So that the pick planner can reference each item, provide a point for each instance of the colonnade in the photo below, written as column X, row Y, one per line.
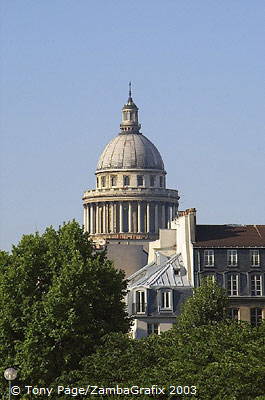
column 128, row 216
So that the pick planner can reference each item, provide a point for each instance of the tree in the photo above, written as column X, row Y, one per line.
column 207, row 306
column 58, row 298
column 223, row 359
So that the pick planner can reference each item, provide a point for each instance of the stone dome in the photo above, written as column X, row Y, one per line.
column 130, row 151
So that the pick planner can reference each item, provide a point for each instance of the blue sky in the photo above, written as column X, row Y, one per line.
column 197, row 69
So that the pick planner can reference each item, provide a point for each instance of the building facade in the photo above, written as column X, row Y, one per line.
column 185, row 254
column 234, row 255
column 131, row 202
column 156, row 293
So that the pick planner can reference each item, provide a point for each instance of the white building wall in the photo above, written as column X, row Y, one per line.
column 185, row 225
column 166, row 242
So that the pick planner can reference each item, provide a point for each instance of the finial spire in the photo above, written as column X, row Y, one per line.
column 130, row 90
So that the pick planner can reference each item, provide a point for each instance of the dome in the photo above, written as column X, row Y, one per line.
column 130, row 151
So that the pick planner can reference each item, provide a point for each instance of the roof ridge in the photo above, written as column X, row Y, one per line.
column 163, row 268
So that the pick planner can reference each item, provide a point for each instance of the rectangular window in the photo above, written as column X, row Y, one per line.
column 254, row 257
column 232, row 257
column 152, row 328
column 152, row 180
column 126, row 180
column 140, row 180
column 166, row 300
column 140, row 301
column 232, row 285
column 255, row 316
column 256, row 285
column 209, row 258
column 161, row 181
column 103, row 181
column 113, row 180
column 233, row 313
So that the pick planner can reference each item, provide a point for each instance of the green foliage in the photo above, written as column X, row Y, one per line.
column 225, row 361
column 206, row 306
column 58, row 298
column 63, row 322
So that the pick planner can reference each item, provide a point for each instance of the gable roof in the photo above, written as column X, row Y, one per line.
column 230, row 236
column 170, row 273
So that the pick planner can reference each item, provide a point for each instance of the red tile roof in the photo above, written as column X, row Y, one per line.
column 230, row 236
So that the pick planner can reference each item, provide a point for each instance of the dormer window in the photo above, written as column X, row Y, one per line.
column 140, row 301
column 166, row 300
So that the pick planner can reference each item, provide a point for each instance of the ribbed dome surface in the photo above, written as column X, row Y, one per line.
column 128, row 151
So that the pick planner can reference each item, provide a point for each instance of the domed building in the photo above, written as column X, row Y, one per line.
column 130, row 203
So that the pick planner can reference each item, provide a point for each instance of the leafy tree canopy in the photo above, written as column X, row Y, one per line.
column 206, row 306
column 224, row 359
column 58, row 298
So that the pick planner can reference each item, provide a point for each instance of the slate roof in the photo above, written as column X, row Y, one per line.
column 230, row 236
column 129, row 151
column 170, row 273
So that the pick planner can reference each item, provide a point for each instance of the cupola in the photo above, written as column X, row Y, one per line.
column 130, row 122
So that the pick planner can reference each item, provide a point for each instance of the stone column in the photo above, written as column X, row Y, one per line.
column 102, row 218
column 121, row 217
column 148, row 217
column 84, row 218
column 163, row 216
column 112, row 218
column 156, row 217
column 139, row 217
column 130, row 217
column 91, row 218
column 174, row 210
column 115, row 217
column 88, row 217
column 170, row 214
column 97, row 218
column 105, row 222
